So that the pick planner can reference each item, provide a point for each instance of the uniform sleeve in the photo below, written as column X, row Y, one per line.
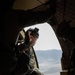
column 23, row 64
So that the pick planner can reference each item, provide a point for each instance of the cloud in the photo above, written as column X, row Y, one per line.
column 49, row 61
column 50, row 68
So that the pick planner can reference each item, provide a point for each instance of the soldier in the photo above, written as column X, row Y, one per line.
column 25, row 58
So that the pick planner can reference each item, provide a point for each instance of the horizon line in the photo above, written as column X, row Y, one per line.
column 48, row 50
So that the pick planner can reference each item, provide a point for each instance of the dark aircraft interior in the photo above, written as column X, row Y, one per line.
column 15, row 15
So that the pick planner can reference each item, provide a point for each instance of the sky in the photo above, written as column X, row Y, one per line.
column 47, row 39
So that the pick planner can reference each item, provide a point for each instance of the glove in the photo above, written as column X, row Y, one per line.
column 36, row 72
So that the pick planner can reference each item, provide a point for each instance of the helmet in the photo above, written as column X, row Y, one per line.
column 34, row 32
